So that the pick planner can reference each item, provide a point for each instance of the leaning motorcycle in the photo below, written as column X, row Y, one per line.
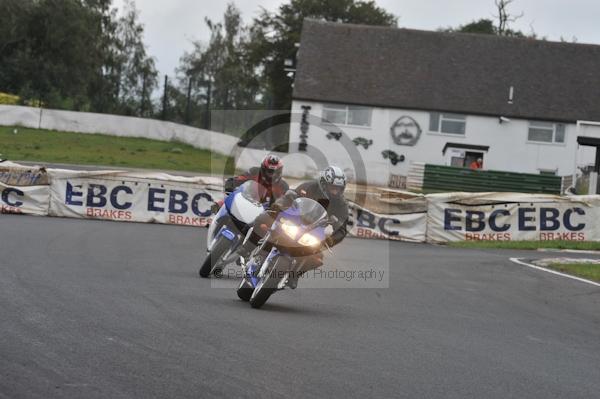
column 296, row 237
column 230, row 226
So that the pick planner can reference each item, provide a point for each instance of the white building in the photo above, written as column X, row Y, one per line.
column 404, row 96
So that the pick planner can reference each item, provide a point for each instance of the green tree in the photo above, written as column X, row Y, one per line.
column 485, row 26
column 274, row 37
column 64, row 58
column 103, row 90
column 135, row 71
column 224, row 63
column 74, row 54
column 15, row 17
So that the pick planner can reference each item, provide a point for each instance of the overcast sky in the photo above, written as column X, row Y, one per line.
column 170, row 26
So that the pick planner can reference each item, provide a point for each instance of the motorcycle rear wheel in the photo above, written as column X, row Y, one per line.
column 214, row 256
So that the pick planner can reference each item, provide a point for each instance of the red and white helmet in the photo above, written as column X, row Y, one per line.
column 271, row 169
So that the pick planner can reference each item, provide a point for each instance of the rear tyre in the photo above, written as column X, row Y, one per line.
column 214, row 256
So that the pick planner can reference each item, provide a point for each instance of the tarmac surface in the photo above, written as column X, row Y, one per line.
column 116, row 310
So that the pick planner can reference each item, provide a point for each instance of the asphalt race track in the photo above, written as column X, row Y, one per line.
column 116, row 310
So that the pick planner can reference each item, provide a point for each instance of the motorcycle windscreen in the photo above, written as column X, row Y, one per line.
column 253, row 192
column 247, row 206
column 310, row 211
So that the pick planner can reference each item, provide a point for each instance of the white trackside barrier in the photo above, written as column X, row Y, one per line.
column 30, row 200
column 161, row 198
column 133, row 197
column 512, row 217
column 23, row 190
column 115, row 125
column 398, row 227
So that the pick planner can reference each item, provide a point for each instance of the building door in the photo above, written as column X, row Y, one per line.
column 591, row 172
column 471, row 157
column 462, row 155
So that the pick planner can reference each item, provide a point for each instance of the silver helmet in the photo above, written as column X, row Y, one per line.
column 332, row 182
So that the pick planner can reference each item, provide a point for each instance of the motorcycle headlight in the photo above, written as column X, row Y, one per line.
column 309, row 240
column 290, row 229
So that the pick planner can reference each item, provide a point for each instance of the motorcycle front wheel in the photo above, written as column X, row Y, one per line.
column 268, row 284
column 245, row 290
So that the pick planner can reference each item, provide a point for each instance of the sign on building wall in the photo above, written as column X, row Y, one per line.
column 406, row 131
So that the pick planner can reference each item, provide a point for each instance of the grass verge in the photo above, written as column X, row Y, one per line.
column 529, row 245
column 588, row 271
column 97, row 149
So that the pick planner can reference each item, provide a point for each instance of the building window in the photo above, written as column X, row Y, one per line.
column 447, row 123
column 352, row 115
column 547, row 132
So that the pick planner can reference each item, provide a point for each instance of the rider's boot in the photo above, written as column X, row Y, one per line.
column 248, row 245
column 292, row 280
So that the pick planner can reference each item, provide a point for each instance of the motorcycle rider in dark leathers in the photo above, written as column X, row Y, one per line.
column 327, row 190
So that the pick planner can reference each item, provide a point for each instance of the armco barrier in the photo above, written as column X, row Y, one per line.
column 161, row 198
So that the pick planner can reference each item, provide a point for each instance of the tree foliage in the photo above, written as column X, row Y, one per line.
column 223, row 62
column 74, row 54
column 86, row 55
column 274, row 37
column 246, row 63
column 218, row 71
column 499, row 27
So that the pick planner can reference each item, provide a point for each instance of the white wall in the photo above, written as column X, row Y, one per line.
column 509, row 147
column 114, row 125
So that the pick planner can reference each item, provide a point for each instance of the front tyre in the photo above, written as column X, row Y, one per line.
column 268, row 285
column 260, row 297
column 245, row 290
column 214, row 256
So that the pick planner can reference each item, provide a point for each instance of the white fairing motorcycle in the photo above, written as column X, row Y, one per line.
column 231, row 225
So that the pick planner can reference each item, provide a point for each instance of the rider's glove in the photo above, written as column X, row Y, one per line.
column 329, row 230
column 275, row 208
column 284, row 202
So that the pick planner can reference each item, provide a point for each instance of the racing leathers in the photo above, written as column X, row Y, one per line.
column 274, row 190
column 337, row 210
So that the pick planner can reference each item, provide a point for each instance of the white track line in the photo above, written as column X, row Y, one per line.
column 569, row 251
column 544, row 269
